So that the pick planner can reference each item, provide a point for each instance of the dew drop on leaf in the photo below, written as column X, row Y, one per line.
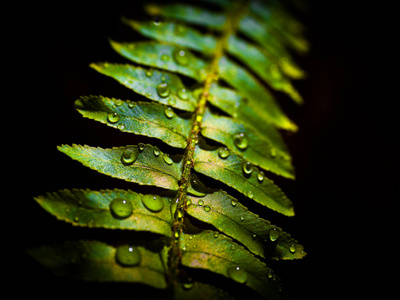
column 113, row 117
column 164, row 57
column 250, row 194
column 169, row 112
column 121, row 208
column 181, row 57
column 207, row 208
column 127, row 255
column 240, row 141
column 274, row 234
column 260, row 176
column 247, row 167
column 200, row 202
column 234, row 203
column 183, row 94
column 153, row 203
column 156, row 151
column 167, row 159
column 292, row 248
column 121, row 126
column 129, row 156
column 216, row 234
column 163, row 90
column 238, row 274
column 141, row 147
column 187, row 285
column 149, row 73
column 156, row 21
column 223, row 152
column 273, row 152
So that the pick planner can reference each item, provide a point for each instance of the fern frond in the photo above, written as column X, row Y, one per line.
column 204, row 82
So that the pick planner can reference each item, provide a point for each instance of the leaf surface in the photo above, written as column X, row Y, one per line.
column 94, row 209
column 236, row 221
column 162, row 56
column 259, row 97
column 142, row 118
column 231, row 172
column 223, row 256
column 146, row 81
column 260, row 150
column 93, row 260
column 147, row 169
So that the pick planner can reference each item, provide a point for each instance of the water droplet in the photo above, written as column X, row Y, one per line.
column 149, row 72
column 167, row 159
column 234, row 203
column 129, row 156
column 181, row 57
column 187, row 285
column 153, row 203
column 76, row 219
column 270, row 274
column 216, row 234
column 260, row 176
column 148, row 94
column 118, row 102
column 141, row 147
column 233, row 247
column 156, row 151
column 274, row 234
column 127, row 255
column 250, row 194
column 164, row 57
column 240, row 141
column 292, row 248
column 169, row 112
column 238, row 274
column 163, row 90
column 223, row 152
column 131, row 104
column 113, row 117
column 180, row 29
column 121, row 208
column 247, row 167
column 273, row 152
column 183, row 94
column 200, row 202
column 241, row 219
column 207, row 208
column 121, row 126
column 156, row 21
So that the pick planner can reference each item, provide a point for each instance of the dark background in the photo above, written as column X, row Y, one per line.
column 345, row 154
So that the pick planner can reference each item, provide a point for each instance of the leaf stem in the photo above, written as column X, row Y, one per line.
column 234, row 14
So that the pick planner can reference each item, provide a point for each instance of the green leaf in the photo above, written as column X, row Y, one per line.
column 258, row 61
column 259, row 97
column 149, row 119
column 163, row 57
column 189, row 14
column 260, row 150
column 175, row 33
column 219, row 254
column 93, row 260
column 230, row 170
column 146, row 83
column 147, row 168
column 235, row 220
column 112, row 209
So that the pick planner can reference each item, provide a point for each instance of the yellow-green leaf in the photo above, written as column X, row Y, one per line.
column 149, row 119
column 237, row 173
column 228, row 215
column 142, row 164
column 93, row 260
column 112, row 209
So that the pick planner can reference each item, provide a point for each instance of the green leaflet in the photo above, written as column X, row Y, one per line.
column 164, row 57
column 149, row 119
column 189, row 14
column 100, row 209
column 230, row 170
column 218, row 253
column 259, row 98
column 149, row 165
column 93, row 260
column 146, row 82
column 260, row 150
column 235, row 220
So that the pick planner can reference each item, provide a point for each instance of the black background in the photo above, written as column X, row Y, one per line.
column 345, row 154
